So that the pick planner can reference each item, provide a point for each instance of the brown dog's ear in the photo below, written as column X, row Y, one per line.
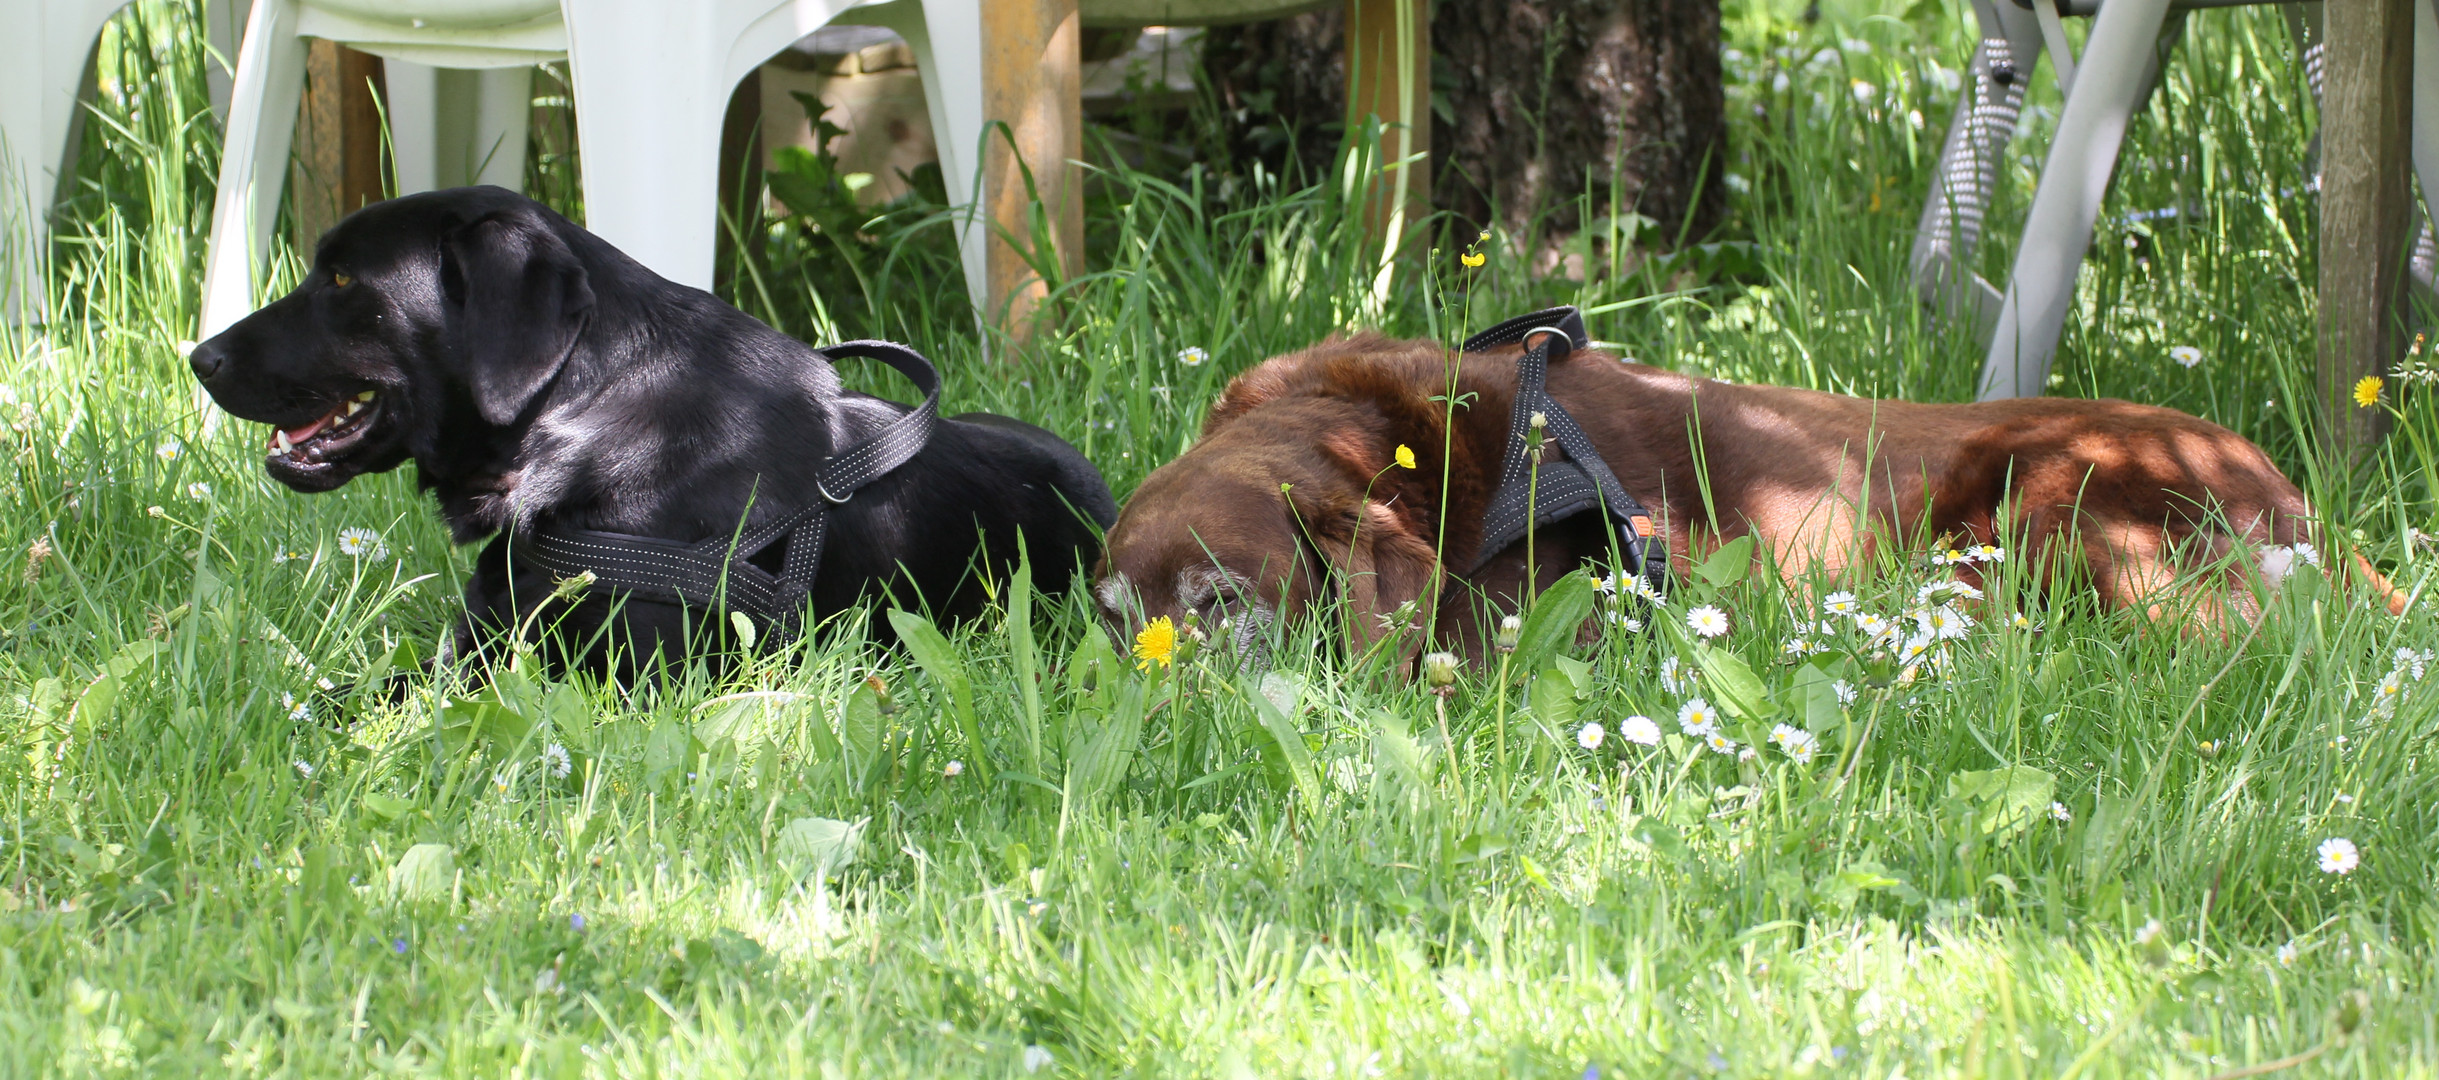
column 1383, row 565
column 522, row 298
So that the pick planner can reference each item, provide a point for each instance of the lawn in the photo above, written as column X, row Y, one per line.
column 2068, row 845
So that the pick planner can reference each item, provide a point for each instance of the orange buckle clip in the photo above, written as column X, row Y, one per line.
column 1642, row 525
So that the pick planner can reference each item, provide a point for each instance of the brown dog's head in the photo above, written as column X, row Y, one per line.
column 1266, row 518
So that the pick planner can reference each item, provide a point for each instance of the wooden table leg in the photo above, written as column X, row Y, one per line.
column 2365, row 207
column 1388, row 47
column 1033, row 82
column 338, row 140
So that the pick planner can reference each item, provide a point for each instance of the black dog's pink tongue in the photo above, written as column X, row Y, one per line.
column 300, row 433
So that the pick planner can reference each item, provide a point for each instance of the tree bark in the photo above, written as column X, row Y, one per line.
column 1536, row 103
column 1551, row 100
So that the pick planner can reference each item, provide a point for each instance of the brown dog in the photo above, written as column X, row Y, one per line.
column 1294, row 485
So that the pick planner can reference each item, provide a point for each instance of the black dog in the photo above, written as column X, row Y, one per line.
column 539, row 378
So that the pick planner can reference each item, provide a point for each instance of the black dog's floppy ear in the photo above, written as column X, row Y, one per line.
column 522, row 298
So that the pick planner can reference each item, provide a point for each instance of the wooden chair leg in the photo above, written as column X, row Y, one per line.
column 1032, row 82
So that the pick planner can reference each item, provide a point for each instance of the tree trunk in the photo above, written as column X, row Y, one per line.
column 1536, row 103
column 1550, row 100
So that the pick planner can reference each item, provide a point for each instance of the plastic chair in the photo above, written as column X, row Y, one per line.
column 651, row 80
column 45, row 46
column 2104, row 88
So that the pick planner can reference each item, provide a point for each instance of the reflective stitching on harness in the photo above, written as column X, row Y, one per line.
column 1578, row 480
column 656, row 568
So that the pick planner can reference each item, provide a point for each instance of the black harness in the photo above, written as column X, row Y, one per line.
column 714, row 572
column 1567, row 485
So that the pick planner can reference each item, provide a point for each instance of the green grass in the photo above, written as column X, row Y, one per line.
column 1154, row 872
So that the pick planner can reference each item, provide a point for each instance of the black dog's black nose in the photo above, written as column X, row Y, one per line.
column 206, row 360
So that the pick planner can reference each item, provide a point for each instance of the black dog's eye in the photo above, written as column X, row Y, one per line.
column 342, row 280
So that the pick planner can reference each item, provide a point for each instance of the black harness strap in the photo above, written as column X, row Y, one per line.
column 1565, row 486
column 713, row 572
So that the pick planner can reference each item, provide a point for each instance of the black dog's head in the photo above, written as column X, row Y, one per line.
column 452, row 309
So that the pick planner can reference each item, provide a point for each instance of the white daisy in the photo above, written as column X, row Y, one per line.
column 1942, row 622
column 1879, row 631
column 169, row 451
column 1675, row 677
column 2338, row 856
column 1707, row 621
column 556, row 761
column 363, row 544
column 305, row 769
column 199, row 491
column 953, row 768
column 2186, row 356
column 2413, row 663
column 1799, row 647
column 1719, row 743
column 1639, row 730
column 1800, row 746
column 1644, row 589
column 1845, row 690
column 2305, row 551
column 1914, row 648
column 1192, row 356
column 1945, row 592
column 1590, row 735
column 297, row 710
column 2287, row 954
column 1695, row 718
column 1989, row 553
column 1839, row 603
column 1625, row 622
column 2060, row 814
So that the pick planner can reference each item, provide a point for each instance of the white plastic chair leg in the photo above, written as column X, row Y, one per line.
column 413, row 110
column 502, row 125
column 43, row 48
column 2113, row 77
column 253, row 161
column 946, row 37
column 651, row 145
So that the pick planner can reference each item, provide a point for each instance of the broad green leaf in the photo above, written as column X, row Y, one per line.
column 388, row 807
column 670, row 747
column 1813, row 694
column 99, row 701
column 470, row 721
column 1732, row 685
column 861, row 725
column 820, row 845
column 1728, row 565
column 425, row 872
column 1102, row 755
column 1024, row 657
column 933, row 654
column 1286, row 744
column 2007, row 800
column 1551, row 625
column 1553, row 699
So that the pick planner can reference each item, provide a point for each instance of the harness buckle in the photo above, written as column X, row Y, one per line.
column 825, row 493
column 1526, row 339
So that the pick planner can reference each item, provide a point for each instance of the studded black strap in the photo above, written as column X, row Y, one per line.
column 1560, row 487
column 713, row 572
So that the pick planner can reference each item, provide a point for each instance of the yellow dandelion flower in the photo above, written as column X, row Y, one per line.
column 1156, row 642
column 1473, row 258
column 1405, row 456
column 2367, row 392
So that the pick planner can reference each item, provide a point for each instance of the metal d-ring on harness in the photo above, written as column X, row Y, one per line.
column 714, row 571
column 1567, row 485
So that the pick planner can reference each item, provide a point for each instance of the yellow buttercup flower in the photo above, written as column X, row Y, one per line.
column 1156, row 642
column 2367, row 392
column 1405, row 456
column 1473, row 258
